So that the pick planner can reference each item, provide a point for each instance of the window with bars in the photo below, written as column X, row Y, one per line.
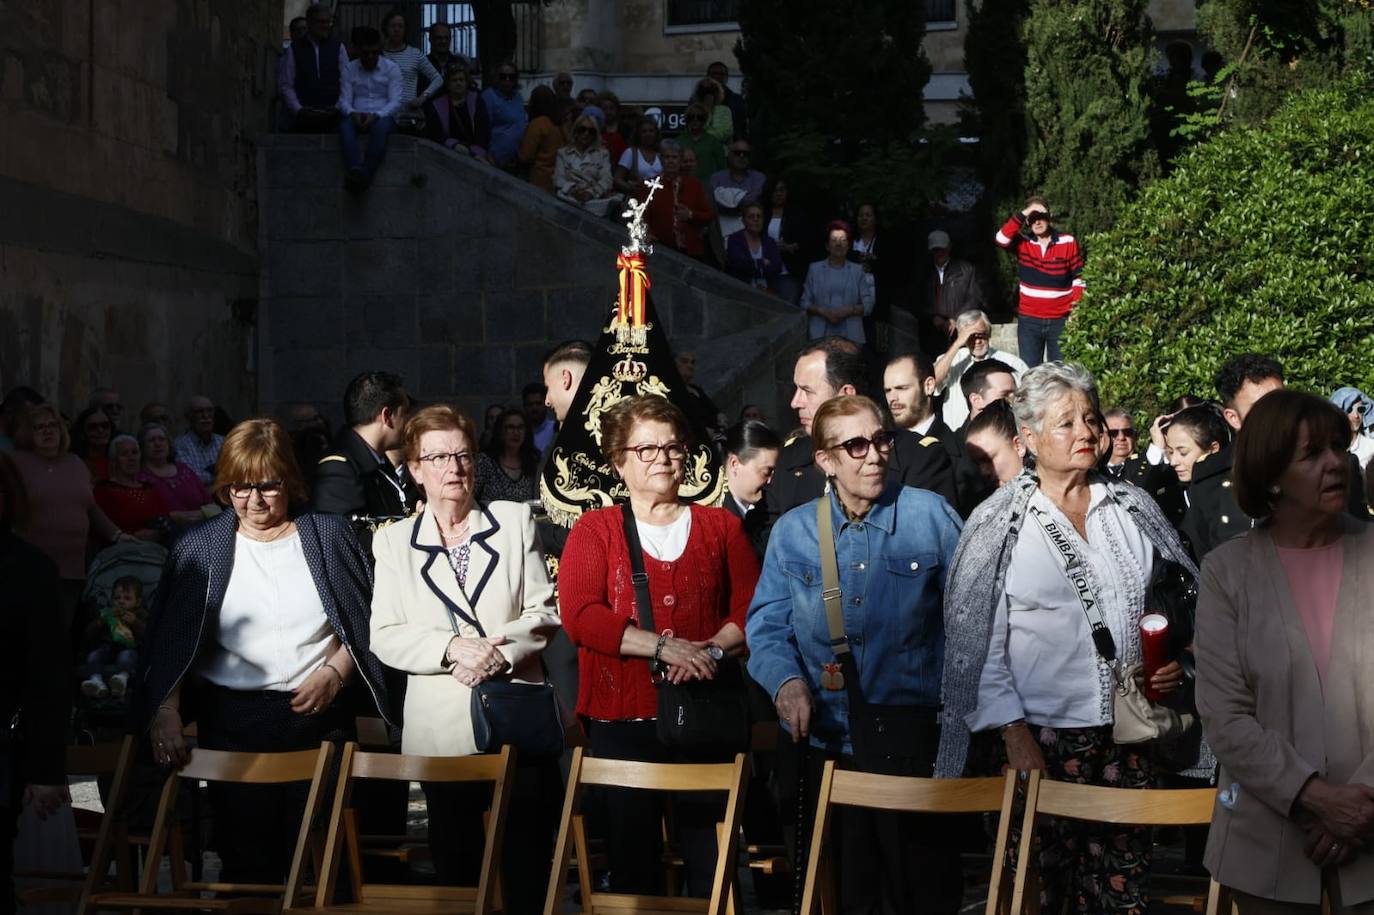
column 941, row 11
column 701, row 12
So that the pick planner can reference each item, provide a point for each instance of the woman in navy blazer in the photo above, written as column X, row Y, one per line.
column 259, row 625
column 751, row 255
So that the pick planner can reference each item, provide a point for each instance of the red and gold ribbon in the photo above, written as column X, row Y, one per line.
column 634, row 284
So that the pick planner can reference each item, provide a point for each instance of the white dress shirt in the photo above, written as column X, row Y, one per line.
column 1042, row 665
column 956, row 407
column 272, row 629
column 371, row 91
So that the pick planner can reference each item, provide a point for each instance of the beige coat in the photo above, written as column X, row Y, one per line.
column 1264, row 713
column 507, row 587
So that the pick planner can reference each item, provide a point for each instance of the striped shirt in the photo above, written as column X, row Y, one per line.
column 1050, row 273
column 414, row 64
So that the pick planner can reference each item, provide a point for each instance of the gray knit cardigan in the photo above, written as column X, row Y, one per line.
column 974, row 587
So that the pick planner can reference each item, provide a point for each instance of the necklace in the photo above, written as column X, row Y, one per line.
column 272, row 536
column 460, row 532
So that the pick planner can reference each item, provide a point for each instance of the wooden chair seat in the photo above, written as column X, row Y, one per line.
column 190, row 903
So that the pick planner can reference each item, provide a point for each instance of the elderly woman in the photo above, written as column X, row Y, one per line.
column 892, row 547
column 1284, row 635
column 838, row 293
column 751, row 255
column 1029, row 660
column 458, row 118
column 582, row 174
column 133, row 504
column 462, row 597
column 680, row 211
column 186, row 499
column 701, row 572
column 63, row 513
column 258, row 628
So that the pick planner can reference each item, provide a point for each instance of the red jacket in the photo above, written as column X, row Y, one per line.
column 685, row 235
column 710, row 584
column 1051, row 278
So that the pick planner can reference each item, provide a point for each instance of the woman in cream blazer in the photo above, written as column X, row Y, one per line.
column 1285, row 671
column 454, row 562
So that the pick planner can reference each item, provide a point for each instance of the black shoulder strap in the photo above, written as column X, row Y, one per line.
column 638, row 577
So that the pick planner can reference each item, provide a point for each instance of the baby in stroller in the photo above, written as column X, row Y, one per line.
column 112, row 640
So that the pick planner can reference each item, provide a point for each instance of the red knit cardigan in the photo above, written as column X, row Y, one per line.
column 710, row 584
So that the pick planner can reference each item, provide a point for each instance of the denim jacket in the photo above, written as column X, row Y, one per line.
column 892, row 567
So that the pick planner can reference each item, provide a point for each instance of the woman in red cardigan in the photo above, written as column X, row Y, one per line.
column 702, row 573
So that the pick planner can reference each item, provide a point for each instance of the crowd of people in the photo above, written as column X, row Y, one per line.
column 992, row 563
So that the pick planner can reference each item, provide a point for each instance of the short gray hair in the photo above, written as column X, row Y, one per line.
column 669, row 146
column 119, row 440
column 970, row 318
column 1043, row 385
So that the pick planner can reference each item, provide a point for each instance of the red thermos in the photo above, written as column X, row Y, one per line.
column 1154, row 649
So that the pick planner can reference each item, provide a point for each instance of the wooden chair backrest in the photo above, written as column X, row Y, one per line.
column 252, row 768
column 619, row 773
column 343, row 837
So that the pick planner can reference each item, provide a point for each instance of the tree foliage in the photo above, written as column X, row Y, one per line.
column 1259, row 241
column 1089, row 67
column 835, row 95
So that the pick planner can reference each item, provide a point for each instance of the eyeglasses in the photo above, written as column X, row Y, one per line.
column 1038, row 216
column 740, row 152
column 858, row 446
column 47, row 427
column 268, row 489
column 647, row 454
column 585, row 130
column 1121, row 433
column 441, row 460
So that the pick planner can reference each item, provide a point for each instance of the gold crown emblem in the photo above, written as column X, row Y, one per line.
column 629, row 369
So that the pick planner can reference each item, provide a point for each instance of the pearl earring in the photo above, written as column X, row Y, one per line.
column 1274, row 490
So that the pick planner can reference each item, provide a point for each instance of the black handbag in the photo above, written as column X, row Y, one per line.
column 886, row 739
column 526, row 716
column 697, row 714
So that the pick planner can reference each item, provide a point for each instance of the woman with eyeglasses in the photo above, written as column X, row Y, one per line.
column 259, row 634
column 463, row 597
column 892, row 546
column 1043, row 607
column 582, row 174
column 701, row 570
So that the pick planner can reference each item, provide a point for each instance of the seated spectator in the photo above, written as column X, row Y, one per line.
column 733, row 188
column 91, row 433
column 838, row 293
column 971, row 346
column 441, row 55
column 506, row 109
column 611, row 137
column 128, row 501
column 369, row 99
column 994, row 445
column 720, row 122
column 458, row 119
column 543, row 138
column 111, row 404
column 155, row 412
column 198, row 447
column 794, row 233
column 311, row 74
column 413, row 64
column 750, row 255
column 16, row 401
column 185, row 498
column 507, row 469
column 707, row 147
column 640, row 162
column 582, row 173
column 679, row 212
column 112, row 639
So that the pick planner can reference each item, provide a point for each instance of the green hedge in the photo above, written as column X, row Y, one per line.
column 1261, row 240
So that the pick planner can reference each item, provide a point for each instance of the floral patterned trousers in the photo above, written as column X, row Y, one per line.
column 1090, row 867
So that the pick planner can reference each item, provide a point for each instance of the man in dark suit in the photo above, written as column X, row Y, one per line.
column 827, row 368
column 909, row 389
column 1124, row 462
column 356, row 478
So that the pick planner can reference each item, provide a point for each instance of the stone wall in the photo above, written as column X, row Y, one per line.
column 461, row 277
column 127, row 174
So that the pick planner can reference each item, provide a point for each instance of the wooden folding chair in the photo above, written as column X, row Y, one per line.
column 239, row 768
column 114, row 760
column 343, row 838
column 1121, row 806
column 728, row 778
column 905, row 795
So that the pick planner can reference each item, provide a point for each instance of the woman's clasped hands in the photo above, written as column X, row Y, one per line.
column 473, row 661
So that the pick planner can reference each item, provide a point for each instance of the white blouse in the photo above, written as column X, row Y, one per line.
column 1041, row 664
column 272, row 629
column 666, row 542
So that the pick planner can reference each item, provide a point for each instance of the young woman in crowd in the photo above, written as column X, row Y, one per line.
column 582, row 174
column 463, row 597
column 458, row 119
column 994, row 444
column 507, row 467
column 751, row 255
column 1191, row 436
column 90, row 438
column 791, row 229
column 640, row 162
column 415, row 66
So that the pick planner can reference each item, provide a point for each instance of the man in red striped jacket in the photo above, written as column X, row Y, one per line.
column 1049, row 265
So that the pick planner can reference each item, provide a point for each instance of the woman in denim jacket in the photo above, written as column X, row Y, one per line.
column 893, row 545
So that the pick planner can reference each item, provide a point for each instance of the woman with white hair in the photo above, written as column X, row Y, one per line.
column 1042, row 613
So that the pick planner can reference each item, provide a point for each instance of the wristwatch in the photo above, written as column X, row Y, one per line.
column 715, row 651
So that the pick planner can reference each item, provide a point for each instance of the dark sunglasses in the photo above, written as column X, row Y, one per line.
column 1037, row 216
column 858, row 446
column 590, row 130
column 1121, row 433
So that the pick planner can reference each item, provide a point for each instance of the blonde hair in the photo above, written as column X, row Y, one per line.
column 588, row 120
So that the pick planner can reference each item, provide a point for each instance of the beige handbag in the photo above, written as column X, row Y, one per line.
column 1135, row 718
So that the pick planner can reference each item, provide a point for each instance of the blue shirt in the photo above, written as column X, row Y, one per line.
column 508, row 121
column 892, row 567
